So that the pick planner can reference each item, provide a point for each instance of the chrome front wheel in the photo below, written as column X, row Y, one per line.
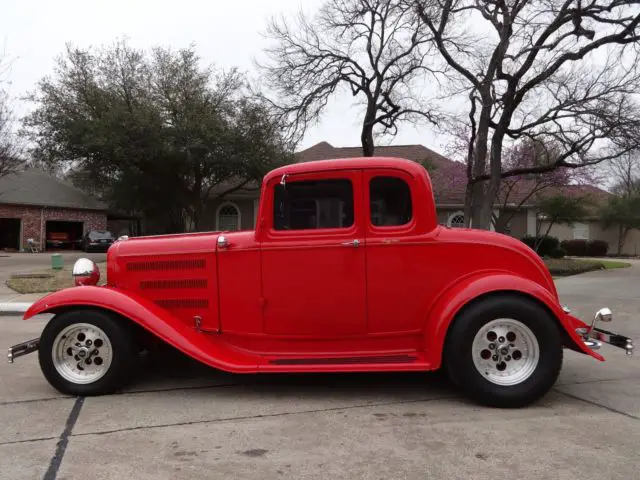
column 87, row 352
column 82, row 353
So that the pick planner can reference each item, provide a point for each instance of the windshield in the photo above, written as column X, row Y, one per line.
column 100, row 235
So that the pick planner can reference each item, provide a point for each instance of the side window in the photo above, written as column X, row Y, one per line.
column 313, row 204
column 390, row 201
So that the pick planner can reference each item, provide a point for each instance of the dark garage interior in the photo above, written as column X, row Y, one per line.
column 63, row 235
column 9, row 233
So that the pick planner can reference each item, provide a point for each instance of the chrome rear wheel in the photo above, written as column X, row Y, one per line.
column 505, row 351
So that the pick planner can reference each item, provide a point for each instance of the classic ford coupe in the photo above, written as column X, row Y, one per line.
column 347, row 270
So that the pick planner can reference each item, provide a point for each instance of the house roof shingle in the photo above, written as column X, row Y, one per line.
column 35, row 187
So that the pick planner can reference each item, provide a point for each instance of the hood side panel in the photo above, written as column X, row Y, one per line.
column 175, row 273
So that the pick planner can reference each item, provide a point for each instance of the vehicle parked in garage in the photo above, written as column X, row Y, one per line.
column 347, row 270
column 58, row 240
column 97, row 241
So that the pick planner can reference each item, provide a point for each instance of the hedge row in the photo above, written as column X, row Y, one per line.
column 552, row 247
column 548, row 246
column 586, row 248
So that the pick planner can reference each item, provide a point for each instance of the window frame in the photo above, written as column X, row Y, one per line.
column 454, row 215
column 386, row 230
column 353, row 231
column 228, row 204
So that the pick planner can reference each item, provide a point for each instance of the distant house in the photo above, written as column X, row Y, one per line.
column 35, row 205
column 239, row 209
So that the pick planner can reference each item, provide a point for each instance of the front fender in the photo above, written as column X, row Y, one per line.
column 156, row 320
column 455, row 298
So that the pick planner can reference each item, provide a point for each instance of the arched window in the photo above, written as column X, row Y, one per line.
column 456, row 220
column 228, row 217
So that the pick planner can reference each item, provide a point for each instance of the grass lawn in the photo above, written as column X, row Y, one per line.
column 562, row 267
column 609, row 264
column 58, row 280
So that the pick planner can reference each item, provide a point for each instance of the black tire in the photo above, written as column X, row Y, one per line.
column 459, row 363
column 123, row 352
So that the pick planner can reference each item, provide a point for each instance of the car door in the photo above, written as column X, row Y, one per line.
column 396, row 274
column 313, row 259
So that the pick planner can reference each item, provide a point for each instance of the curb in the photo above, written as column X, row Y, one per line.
column 14, row 308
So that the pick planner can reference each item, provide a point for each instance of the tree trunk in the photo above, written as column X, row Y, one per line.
column 480, row 217
column 622, row 235
column 366, row 138
column 491, row 192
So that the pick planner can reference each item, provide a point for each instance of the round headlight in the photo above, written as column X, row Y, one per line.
column 85, row 272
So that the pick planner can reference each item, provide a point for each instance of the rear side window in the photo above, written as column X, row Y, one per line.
column 390, row 202
column 313, row 204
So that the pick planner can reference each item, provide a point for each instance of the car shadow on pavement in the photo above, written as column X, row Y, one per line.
column 171, row 370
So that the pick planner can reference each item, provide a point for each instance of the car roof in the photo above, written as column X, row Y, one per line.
column 360, row 163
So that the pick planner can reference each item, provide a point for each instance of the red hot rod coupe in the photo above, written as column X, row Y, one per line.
column 347, row 270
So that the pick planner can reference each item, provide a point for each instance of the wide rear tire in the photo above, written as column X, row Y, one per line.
column 87, row 352
column 504, row 351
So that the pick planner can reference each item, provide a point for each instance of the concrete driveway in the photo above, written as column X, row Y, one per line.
column 183, row 421
column 24, row 262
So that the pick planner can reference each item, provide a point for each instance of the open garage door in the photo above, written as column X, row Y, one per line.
column 9, row 233
column 63, row 235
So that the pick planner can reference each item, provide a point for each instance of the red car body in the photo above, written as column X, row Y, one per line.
column 366, row 297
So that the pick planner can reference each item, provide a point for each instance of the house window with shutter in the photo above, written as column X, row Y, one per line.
column 581, row 231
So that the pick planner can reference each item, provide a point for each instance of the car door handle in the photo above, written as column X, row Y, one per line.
column 352, row 243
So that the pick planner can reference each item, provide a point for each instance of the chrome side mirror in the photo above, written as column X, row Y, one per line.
column 604, row 315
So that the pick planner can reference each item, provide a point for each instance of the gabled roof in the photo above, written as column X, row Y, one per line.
column 35, row 187
column 447, row 177
column 417, row 153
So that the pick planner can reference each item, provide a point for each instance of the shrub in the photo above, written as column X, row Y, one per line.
column 558, row 253
column 577, row 248
column 547, row 247
column 597, row 248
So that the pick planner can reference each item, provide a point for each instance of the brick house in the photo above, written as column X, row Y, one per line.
column 238, row 210
column 34, row 204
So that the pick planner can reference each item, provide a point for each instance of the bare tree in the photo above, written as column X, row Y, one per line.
column 622, row 210
column 519, row 190
column 10, row 153
column 625, row 173
column 378, row 50
column 551, row 70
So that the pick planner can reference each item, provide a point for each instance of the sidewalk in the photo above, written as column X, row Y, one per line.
column 14, row 303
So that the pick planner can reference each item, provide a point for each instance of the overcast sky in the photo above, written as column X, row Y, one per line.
column 225, row 33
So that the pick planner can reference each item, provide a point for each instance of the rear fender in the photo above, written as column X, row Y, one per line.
column 471, row 288
column 152, row 318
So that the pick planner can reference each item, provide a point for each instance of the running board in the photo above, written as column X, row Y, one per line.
column 385, row 359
